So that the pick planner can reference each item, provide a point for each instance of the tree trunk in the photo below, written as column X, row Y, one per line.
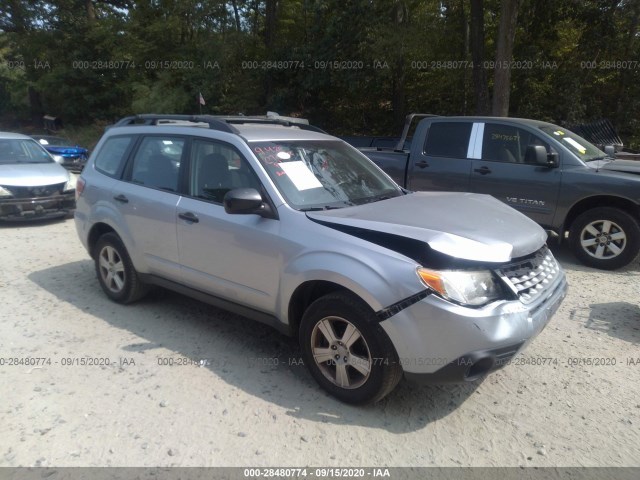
column 398, row 84
column 91, row 12
column 271, row 20
column 35, row 106
column 271, row 10
column 480, row 88
column 236, row 13
column 625, row 74
column 504, row 54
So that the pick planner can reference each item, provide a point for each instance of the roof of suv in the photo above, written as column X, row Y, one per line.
column 252, row 129
column 255, row 133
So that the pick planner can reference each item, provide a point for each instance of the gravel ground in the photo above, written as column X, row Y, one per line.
column 251, row 403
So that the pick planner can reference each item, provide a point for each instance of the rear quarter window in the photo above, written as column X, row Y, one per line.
column 111, row 157
column 448, row 139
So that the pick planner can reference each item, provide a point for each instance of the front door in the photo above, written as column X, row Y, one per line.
column 503, row 169
column 236, row 257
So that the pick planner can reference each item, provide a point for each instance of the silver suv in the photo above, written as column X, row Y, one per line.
column 286, row 225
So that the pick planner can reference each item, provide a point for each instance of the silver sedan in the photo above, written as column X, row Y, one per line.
column 32, row 184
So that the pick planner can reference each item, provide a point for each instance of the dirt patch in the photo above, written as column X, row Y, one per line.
column 171, row 381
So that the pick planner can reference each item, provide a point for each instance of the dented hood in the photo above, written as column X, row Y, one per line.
column 462, row 225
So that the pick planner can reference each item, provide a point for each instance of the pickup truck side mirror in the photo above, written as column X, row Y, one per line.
column 538, row 154
column 610, row 150
column 245, row 201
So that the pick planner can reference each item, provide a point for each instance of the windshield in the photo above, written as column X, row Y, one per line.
column 323, row 174
column 18, row 150
column 584, row 150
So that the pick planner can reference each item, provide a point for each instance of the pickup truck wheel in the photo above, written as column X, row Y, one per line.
column 605, row 238
column 116, row 274
column 347, row 351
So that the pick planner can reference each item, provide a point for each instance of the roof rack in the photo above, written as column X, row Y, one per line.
column 223, row 123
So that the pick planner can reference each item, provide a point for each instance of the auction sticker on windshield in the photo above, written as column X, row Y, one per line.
column 300, row 175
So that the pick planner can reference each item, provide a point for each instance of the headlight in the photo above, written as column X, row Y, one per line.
column 468, row 287
column 71, row 184
column 4, row 193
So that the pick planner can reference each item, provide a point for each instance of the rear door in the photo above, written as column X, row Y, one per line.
column 148, row 198
column 502, row 168
column 442, row 163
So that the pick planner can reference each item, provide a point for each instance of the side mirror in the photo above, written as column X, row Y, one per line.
column 538, row 154
column 244, row 201
column 58, row 159
column 552, row 160
column 610, row 150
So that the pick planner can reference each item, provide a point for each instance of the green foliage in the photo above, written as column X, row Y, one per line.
column 352, row 66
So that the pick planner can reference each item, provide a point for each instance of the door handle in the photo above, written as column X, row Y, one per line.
column 189, row 217
column 482, row 170
column 422, row 164
column 121, row 198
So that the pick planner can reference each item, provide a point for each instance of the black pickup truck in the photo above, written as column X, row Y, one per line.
column 574, row 190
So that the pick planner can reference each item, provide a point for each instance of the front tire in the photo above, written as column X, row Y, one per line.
column 347, row 351
column 605, row 238
column 116, row 274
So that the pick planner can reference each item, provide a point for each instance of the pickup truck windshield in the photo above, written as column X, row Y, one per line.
column 323, row 174
column 584, row 150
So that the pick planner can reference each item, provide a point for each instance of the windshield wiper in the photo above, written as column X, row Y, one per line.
column 319, row 209
column 603, row 157
column 377, row 198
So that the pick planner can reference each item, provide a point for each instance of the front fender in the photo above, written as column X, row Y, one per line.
column 380, row 281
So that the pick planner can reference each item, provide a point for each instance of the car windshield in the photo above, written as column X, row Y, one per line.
column 17, row 150
column 53, row 141
column 583, row 149
column 323, row 174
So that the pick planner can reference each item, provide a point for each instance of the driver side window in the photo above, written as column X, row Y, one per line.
column 508, row 144
column 217, row 168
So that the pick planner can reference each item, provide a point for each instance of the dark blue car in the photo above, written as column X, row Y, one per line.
column 71, row 157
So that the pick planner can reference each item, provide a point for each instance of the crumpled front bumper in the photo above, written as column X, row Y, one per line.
column 439, row 342
column 38, row 207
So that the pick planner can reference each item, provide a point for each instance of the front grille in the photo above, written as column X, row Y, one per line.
column 530, row 277
column 36, row 192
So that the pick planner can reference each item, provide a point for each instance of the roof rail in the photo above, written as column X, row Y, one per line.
column 224, row 123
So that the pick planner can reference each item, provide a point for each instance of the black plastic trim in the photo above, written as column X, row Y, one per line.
column 458, row 370
column 218, row 302
column 397, row 307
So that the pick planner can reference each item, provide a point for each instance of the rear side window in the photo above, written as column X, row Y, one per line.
column 448, row 139
column 111, row 156
column 157, row 162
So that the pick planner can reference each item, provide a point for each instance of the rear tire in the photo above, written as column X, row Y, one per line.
column 117, row 276
column 347, row 351
column 605, row 238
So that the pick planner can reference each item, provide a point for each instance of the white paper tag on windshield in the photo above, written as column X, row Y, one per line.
column 575, row 145
column 300, row 175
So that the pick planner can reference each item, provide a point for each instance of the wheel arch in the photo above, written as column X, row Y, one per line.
column 596, row 201
column 97, row 231
column 307, row 293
